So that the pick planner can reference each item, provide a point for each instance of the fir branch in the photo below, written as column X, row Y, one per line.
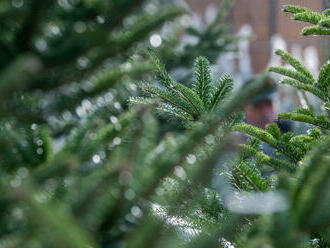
column 295, row 63
column 324, row 76
column 325, row 22
column 162, row 74
column 274, row 130
column 312, row 162
column 251, row 176
column 283, row 145
column 262, row 158
column 167, row 81
column 191, row 97
column 295, row 9
column 308, row 16
column 140, row 100
column 326, row 12
column 312, row 89
column 316, row 121
column 311, row 194
column 315, row 30
column 305, row 111
column 292, row 74
column 203, row 82
column 177, row 112
column 257, row 133
column 223, row 89
column 165, row 162
column 169, row 97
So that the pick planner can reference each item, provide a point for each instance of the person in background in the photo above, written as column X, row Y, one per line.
column 262, row 111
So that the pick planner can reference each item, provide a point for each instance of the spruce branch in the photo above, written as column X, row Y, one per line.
column 203, row 81
column 325, row 22
column 243, row 171
column 191, row 97
column 310, row 195
column 165, row 162
column 312, row 89
column 294, row 148
column 257, row 133
column 315, row 31
column 162, row 74
column 177, row 112
column 224, row 88
column 320, row 20
column 98, row 84
column 292, row 74
column 295, row 9
column 167, row 81
column 305, row 111
column 182, row 101
column 324, row 76
column 140, row 100
column 308, row 16
column 295, row 63
column 261, row 158
column 170, row 97
column 274, row 130
column 319, row 121
column 326, row 12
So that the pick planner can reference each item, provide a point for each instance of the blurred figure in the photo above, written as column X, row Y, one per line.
column 262, row 111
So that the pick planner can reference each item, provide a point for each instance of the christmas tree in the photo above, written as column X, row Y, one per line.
column 84, row 165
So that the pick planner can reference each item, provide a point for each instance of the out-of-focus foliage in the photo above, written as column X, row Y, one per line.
column 82, row 168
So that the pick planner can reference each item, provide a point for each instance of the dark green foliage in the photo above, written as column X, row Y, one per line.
column 306, row 157
column 115, row 181
column 319, row 121
column 188, row 104
column 247, row 177
column 302, row 78
column 203, row 82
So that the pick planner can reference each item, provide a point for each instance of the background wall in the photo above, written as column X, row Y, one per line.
column 267, row 19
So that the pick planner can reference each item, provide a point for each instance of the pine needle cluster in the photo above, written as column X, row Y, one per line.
column 320, row 21
column 178, row 100
column 81, row 169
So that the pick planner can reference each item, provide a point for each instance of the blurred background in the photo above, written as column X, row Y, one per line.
column 269, row 28
column 263, row 28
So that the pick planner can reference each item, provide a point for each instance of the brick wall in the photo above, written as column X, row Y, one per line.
column 266, row 18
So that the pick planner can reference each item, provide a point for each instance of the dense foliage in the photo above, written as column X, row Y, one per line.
column 84, row 165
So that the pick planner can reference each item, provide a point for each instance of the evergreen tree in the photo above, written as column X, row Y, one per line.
column 61, row 69
column 114, row 182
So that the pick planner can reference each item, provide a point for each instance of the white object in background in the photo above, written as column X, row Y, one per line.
column 296, row 51
column 225, row 64
column 210, row 13
column 277, row 42
column 245, row 68
column 256, row 203
column 311, row 60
